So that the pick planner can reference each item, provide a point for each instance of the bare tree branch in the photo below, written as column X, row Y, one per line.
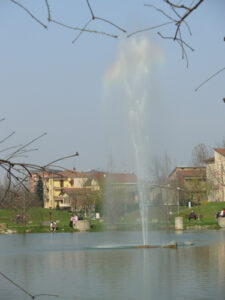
column 6, row 138
column 17, row 173
column 62, row 158
column 149, row 28
column 178, row 39
column 9, row 148
column 177, row 5
column 111, row 23
column 25, row 291
column 21, row 148
column 189, row 10
column 48, row 10
column 89, row 6
column 29, row 13
column 84, row 30
column 179, row 16
column 102, row 19
column 161, row 11
column 205, row 81
column 79, row 34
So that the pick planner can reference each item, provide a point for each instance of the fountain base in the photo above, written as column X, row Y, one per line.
column 146, row 246
column 172, row 245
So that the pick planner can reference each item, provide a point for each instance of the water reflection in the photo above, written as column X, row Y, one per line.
column 70, row 266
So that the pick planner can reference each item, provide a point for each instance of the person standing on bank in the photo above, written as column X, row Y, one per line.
column 75, row 218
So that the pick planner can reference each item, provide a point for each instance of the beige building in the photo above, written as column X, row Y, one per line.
column 215, row 173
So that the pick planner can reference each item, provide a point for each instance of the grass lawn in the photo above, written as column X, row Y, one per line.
column 38, row 220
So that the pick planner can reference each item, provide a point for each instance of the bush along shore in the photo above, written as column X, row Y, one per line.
column 37, row 220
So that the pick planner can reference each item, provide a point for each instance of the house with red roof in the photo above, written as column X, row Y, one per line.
column 182, row 175
column 74, row 190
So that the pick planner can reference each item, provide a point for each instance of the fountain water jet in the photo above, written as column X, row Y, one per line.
column 130, row 75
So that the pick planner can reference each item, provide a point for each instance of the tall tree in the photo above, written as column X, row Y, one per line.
column 40, row 191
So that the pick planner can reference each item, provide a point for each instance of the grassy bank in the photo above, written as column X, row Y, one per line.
column 163, row 217
column 37, row 220
column 207, row 213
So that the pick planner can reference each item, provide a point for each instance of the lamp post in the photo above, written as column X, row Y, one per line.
column 178, row 202
column 167, row 211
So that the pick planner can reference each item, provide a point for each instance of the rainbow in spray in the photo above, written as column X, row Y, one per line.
column 132, row 54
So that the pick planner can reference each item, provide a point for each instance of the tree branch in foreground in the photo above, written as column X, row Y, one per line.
column 180, row 12
column 16, row 172
column 78, row 28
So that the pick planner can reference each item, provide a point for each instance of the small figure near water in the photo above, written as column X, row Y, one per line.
column 80, row 217
column 20, row 219
column 52, row 226
column 192, row 215
column 73, row 220
column 220, row 213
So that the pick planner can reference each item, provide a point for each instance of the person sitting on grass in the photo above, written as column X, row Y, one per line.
column 220, row 213
column 192, row 215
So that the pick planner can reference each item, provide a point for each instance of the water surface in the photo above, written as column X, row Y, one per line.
column 105, row 266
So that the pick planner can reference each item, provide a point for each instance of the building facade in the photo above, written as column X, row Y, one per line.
column 190, row 184
column 79, row 190
column 215, row 172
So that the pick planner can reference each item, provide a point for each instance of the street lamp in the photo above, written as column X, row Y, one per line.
column 178, row 202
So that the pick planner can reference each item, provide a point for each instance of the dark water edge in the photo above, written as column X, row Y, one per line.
column 104, row 228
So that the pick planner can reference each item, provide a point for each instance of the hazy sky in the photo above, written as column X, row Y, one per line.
column 50, row 85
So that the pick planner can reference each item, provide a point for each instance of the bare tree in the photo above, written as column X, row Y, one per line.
column 74, row 200
column 199, row 155
column 160, row 168
column 221, row 144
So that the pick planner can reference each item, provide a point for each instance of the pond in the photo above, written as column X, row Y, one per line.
column 97, row 266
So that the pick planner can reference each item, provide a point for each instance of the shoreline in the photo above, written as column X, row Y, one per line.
column 38, row 229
